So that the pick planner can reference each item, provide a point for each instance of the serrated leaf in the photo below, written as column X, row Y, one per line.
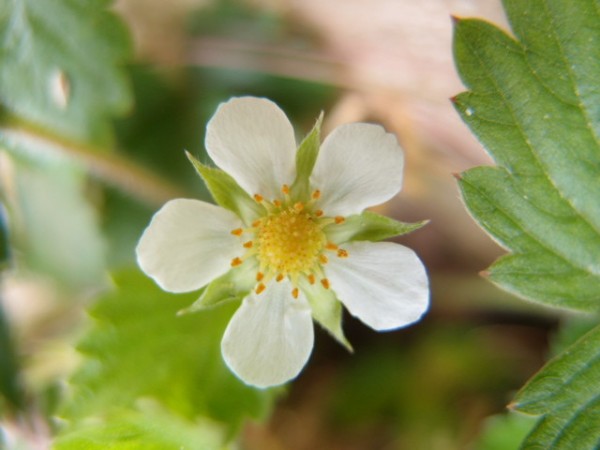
column 565, row 392
column 59, row 65
column 533, row 104
column 306, row 156
column 227, row 193
column 139, row 349
column 369, row 226
column 148, row 429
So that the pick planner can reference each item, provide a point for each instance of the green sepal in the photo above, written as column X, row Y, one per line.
column 227, row 193
column 369, row 226
column 234, row 285
column 326, row 310
column 306, row 156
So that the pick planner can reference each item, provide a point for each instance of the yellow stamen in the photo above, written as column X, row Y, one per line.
column 311, row 279
column 331, row 246
column 316, row 194
column 279, row 277
column 256, row 223
column 285, row 189
column 342, row 253
column 277, row 203
column 323, row 259
column 259, row 288
column 259, row 276
column 295, row 292
column 236, row 262
column 339, row 219
column 299, row 206
column 248, row 244
column 259, row 198
column 318, row 212
column 325, row 283
column 237, row 232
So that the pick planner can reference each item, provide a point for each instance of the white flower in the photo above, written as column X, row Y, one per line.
column 290, row 238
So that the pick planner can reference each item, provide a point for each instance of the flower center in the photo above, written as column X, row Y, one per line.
column 289, row 242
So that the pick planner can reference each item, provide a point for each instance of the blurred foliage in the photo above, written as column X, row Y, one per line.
column 139, row 348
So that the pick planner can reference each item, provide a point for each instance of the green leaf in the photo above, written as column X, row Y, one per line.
column 306, row 156
column 565, row 393
column 532, row 102
column 369, row 226
column 151, row 429
column 139, row 348
column 232, row 286
column 504, row 432
column 227, row 193
column 53, row 223
column 326, row 310
column 59, row 65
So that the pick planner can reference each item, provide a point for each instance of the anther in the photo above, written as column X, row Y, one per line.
column 248, row 244
column 277, row 203
column 299, row 206
column 323, row 258
column 342, row 253
column 318, row 212
column 259, row 288
column 259, row 276
column 237, row 232
column 259, row 198
column 325, row 283
column 295, row 292
column 256, row 223
column 331, row 246
column 279, row 277
column 316, row 194
column 311, row 279
column 285, row 189
column 339, row 219
column 236, row 262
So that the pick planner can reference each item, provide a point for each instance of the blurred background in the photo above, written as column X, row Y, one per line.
column 431, row 386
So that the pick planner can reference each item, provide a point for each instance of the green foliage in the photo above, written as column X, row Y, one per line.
column 148, row 428
column 532, row 104
column 565, row 392
column 504, row 432
column 139, row 348
column 59, row 65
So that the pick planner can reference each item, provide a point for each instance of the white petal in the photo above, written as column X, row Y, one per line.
column 253, row 140
column 383, row 284
column 359, row 165
column 270, row 337
column 187, row 244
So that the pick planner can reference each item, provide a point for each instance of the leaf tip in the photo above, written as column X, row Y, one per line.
column 485, row 273
column 455, row 19
column 457, row 175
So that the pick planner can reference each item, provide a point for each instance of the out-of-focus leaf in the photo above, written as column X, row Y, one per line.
column 55, row 228
column 504, row 432
column 10, row 383
column 148, row 429
column 565, row 393
column 59, row 65
column 533, row 102
column 139, row 348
